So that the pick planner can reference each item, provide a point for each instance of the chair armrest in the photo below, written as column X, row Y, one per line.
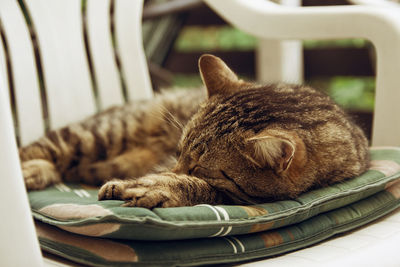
column 375, row 3
column 380, row 25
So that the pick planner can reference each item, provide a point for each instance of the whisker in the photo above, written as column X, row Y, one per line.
column 171, row 118
column 167, row 117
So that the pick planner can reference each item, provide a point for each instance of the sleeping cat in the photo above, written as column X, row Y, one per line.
column 245, row 143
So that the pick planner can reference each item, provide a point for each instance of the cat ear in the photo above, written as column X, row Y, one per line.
column 269, row 150
column 217, row 76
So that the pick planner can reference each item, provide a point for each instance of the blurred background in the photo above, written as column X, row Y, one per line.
column 177, row 32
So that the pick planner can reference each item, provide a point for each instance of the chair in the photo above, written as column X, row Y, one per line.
column 280, row 60
column 58, row 79
column 88, row 58
column 385, row 3
column 378, row 24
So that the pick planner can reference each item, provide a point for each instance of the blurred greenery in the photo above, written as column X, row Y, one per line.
column 225, row 38
column 187, row 80
column 356, row 93
column 212, row 38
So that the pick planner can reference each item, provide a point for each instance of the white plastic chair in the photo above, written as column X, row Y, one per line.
column 67, row 78
column 380, row 3
column 380, row 25
column 67, row 81
column 377, row 243
column 280, row 60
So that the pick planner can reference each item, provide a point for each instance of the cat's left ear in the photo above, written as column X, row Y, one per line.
column 217, row 76
column 275, row 150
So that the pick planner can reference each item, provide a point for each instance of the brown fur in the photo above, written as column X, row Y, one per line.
column 121, row 142
column 247, row 143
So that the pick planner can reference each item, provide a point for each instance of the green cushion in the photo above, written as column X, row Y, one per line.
column 75, row 208
column 111, row 252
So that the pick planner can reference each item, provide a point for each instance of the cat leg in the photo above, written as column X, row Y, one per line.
column 161, row 190
column 77, row 154
column 135, row 162
column 44, row 160
column 39, row 173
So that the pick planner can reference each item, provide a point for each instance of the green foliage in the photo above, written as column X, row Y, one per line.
column 225, row 38
column 212, row 38
column 355, row 93
column 187, row 80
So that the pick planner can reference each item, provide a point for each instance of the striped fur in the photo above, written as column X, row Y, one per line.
column 126, row 141
column 246, row 143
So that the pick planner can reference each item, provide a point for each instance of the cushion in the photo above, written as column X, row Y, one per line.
column 112, row 252
column 75, row 208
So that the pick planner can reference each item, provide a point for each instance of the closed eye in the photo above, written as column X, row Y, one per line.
column 225, row 175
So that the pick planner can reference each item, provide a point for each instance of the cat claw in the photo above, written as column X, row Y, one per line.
column 111, row 190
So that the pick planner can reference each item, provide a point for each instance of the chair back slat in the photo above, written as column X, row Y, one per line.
column 24, row 79
column 128, row 15
column 102, row 53
column 58, row 24
column 50, row 70
column 3, row 72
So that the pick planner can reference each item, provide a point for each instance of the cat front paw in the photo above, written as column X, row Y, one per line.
column 146, row 192
column 39, row 173
column 112, row 190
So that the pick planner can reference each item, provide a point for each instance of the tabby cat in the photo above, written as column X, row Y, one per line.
column 245, row 143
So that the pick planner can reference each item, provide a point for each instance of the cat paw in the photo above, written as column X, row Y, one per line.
column 38, row 174
column 112, row 190
column 143, row 192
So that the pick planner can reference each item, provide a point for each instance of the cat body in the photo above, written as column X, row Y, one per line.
column 126, row 141
column 246, row 143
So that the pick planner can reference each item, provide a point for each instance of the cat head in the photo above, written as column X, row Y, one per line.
column 228, row 144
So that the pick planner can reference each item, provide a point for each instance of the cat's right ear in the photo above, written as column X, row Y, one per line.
column 217, row 76
column 276, row 149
